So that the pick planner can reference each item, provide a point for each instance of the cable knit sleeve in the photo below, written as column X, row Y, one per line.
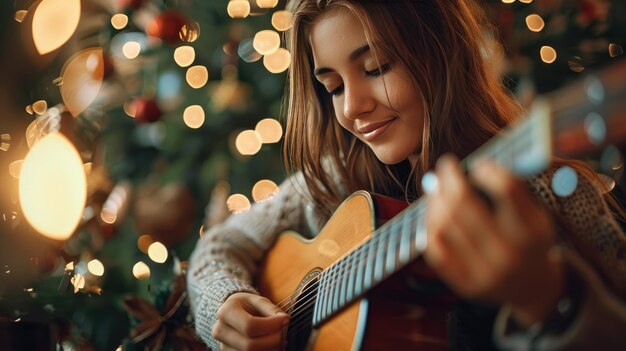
column 595, row 253
column 225, row 258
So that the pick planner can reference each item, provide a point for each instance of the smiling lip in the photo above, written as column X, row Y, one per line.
column 372, row 131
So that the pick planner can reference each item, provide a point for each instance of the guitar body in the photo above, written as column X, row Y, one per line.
column 386, row 317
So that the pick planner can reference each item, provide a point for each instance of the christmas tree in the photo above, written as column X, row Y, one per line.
column 129, row 126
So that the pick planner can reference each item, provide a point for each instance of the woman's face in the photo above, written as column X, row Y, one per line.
column 375, row 101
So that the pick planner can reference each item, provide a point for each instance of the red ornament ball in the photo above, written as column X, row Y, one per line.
column 146, row 110
column 133, row 4
column 167, row 26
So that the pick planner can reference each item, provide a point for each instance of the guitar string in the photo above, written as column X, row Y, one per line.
column 334, row 275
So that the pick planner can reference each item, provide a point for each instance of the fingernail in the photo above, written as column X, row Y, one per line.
column 430, row 183
column 280, row 313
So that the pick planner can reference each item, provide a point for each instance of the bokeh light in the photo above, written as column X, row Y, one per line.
column 248, row 142
column 193, row 116
column 19, row 15
column 266, row 42
column 184, row 55
column 197, row 76
column 131, row 49
column 238, row 203
column 263, row 190
column 247, row 52
column 129, row 108
column 144, row 242
column 157, row 252
column 564, row 181
column 270, row 130
column 53, row 187
column 615, row 50
column 141, row 270
column 96, row 267
column 190, row 32
column 548, row 54
column 54, row 22
column 15, row 168
column 82, row 79
column 40, row 107
column 266, row 4
column 282, row 20
column 277, row 62
column 119, row 21
column 534, row 22
column 238, row 8
column 5, row 142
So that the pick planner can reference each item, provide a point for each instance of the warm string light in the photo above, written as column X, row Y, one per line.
column 278, row 61
column 193, row 116
column 282, row 20
column 157, row 252
column 548, row 54
column 248, row 142
column 15, row 167
column 5, row 142
column 270, row 130
column 19, row 15
column 116, row 203
column 131, row 49
column 144, row 242
column 197, row 76
column 534, row 22
column 53, row 187
column 184, row 55
column 264, row 190
column 40, row 107
column 266, row 4
column 82, row 77
column 190, row 32
column 238, row 203
column 266, row 42
column 141, row 270
column 238, row 8
column 119, row 21
column 96, row 267
column 54, row 22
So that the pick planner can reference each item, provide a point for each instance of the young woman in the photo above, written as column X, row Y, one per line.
column 380, row 92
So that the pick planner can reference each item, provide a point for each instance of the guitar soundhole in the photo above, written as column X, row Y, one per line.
column 300, row 325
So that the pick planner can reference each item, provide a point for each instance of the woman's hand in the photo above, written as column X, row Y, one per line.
column 498, row 253
column 249, row 322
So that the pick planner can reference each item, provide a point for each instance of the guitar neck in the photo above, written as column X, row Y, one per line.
column 583, row 116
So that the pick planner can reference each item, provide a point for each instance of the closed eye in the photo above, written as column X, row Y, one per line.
column 378, row 71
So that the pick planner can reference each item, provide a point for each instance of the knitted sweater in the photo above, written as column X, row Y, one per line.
column 226, row 256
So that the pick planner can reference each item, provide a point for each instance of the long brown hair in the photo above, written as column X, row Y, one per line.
column 441, row 42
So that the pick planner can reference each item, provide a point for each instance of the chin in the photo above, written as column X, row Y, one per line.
column 390, row 159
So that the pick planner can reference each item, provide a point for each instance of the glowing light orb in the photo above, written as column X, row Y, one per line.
column 266, row 42
column 54, row 22
column 119, row 21
column 534, row 22
column 197, row 76
column 263, row 190
column 267, row 4
column 157, row 252
column 184, row 55
column 144, row 242
column 141, row 270
column 194, row 116
column 282, row 20
column 131, row 49
column 277, row 62
column 270, row 130
column 238, row 203
column 548, row 54
column 248, row 142
column 40, row 107
column 53, row 187
column 82, row 79
column 238, row 8
column 96, row 267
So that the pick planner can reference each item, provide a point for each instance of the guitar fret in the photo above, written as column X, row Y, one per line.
column 392, row 252
column 420, row 229
column 331, row 290
column 367, row 280
column 344, row 278
column 351, row 284
column 358, row 283
column 319, row 304
column 380, row 258
column 405, row 239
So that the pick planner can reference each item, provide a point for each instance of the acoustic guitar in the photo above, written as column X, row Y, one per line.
column 359, row 284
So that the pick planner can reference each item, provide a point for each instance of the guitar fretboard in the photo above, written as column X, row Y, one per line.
column 524, row 149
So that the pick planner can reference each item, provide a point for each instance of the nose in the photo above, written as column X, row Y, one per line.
column 358, row 99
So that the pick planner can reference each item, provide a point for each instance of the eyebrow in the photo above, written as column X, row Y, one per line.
column 358, row 52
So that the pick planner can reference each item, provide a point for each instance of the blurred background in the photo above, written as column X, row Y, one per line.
column 128, row 126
